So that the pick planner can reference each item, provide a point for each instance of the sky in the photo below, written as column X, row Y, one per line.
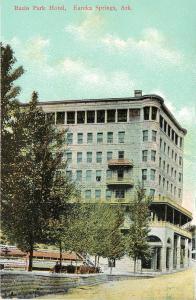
column 76, row 54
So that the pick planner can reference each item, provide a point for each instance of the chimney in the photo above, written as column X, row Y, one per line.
column 138, row 93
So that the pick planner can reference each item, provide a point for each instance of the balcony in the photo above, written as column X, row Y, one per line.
column 119, row 181
column 120, row 163
column 177, row 229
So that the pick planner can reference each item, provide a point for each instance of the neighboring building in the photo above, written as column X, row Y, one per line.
column 113, row 144
column 193, row 230
column 12, row 257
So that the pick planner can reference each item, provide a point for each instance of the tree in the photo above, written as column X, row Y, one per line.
column 9, row 112
column 137, row 245
column 40, row 187
column 94, row 229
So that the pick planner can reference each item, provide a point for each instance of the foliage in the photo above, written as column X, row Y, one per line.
column 137, row 245
column 94, row 229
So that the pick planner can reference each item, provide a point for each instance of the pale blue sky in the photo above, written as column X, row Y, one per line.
column 74, row 54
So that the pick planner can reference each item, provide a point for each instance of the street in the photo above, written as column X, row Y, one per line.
column 177, row 286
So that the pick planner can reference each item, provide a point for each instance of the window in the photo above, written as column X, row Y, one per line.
column 159, row 162
column 110, row 137
column 60, row 117
column 175, row 191
column 164, row 165
column 91, row 116
column 88, row 175
column 163, row 183
column 161, row 122
column 79, row 157
column 159, row 179
column 121, row 154
column 175, row 174
column 144, row 174
column 180, row 142
column 99, row 157
column 169, row 130
column 172, row 171
column 172, row 154
column 167, row 185
column 146, row 113
column 79, row 175
column 100, row 137
column 121, row 137
column 69, row 174
column 145, row 135
column 144, row 155
column 175, row 156
column 80, row 138
column 89, row 137
column 109, row 155
column 153, row 155
column 176, row 139
column 51, row 117
column 168, row 150
column 108, row 194
column 161, row 141
column 109, row 174
column 120, row 194
column 69, row 138
column 171, row 188
column 154, row 113
column 134, row 114
column 97, row 194
column 167, row 168
column 88, row 194
column 173, row 133
column 154, row 135
column 81, row 117
column 179, row 193
column 180, row 177
column 164, row 148
column 165, row 126
column 152, row 174
column 122, row 115
column 69, row 157
column 101, row 116
column 71, row 117
column 180, row 160
column 152, row 193
column 98, row 175
column 89, row 157
column 111, row 115
column 120, row 174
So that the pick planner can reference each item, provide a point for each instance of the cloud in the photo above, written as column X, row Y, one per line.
column 152, row 45
column 88, row 29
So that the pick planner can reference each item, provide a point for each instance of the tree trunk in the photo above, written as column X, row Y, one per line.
column 30, row 266
column 98, row 261
column 95, row 260
column 60, row 252
column 134, row 264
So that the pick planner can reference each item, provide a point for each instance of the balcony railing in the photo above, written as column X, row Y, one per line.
column 120, row 162
column 120, row 181
column 175, row 228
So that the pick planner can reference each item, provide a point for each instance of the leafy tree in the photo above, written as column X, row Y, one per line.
column 137, row 245
column 38, row 192
column 94, row 229
column 9, row 111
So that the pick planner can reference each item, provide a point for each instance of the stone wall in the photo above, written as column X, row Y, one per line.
column 30, row 285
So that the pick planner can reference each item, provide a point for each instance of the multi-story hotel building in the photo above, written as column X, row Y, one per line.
column 114, row 144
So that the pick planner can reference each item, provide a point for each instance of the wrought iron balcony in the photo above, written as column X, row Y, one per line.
column 120, row 163
column 121, row 182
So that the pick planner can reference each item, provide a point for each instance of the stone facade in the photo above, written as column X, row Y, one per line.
column 113, row 144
